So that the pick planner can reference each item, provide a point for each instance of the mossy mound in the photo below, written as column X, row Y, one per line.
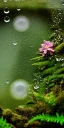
column 21, row 115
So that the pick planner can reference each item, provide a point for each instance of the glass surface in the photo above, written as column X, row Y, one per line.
column 21, row 33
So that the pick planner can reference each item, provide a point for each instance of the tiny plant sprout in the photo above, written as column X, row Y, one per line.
column 19, row 89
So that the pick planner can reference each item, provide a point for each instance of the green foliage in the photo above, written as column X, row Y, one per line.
column 49, row 98
column 50, row 69
column 59, row 47
column 3, row 123
column 50, row 72
column 48, row 118
column 41, row 63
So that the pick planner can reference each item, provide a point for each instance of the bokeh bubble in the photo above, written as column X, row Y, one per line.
column 19, row 89
column 21, row 23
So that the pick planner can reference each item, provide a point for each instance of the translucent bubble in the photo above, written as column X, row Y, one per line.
column 19, row 89
column 21, row 23
column 7, row 19
column 14, row 43
column 6, row 10
column 36, row 87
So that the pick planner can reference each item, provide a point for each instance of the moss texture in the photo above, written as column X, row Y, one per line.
column 20, row 117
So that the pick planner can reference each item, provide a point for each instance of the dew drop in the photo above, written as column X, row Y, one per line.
column 18, row 9
column 53, row 25
column 6, row 10
column 59, row 59
column 14, row 43
column 36, row 87
column 7, row 19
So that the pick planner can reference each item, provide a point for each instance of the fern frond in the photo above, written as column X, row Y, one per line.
column 59, row 70
column 49, row 71
column 3, row 123
column 59, row 47
column 44, row 63
column 37, row 58
column 53, row 77
column 48, row 118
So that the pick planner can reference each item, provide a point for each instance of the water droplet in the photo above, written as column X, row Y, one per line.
column 6, row 10
column 7, row 82
column 59, row 59
column 18, row 9
column 7, row 19
column 14, row 43
column 5, row 0
column 53, row 25
column 36, row 87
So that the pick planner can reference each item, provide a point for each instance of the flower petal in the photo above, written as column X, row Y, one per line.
column 40, row 49
column 44, row 51
column 50, row 49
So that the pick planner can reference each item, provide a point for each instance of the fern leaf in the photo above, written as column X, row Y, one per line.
column 44, row 63
column 48, row 118
column 3, row 123
column 59, row 47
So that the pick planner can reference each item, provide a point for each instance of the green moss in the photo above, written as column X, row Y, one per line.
column 25, row 111
column 7, row 113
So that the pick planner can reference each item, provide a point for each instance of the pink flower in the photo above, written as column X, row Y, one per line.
column 47, row 47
